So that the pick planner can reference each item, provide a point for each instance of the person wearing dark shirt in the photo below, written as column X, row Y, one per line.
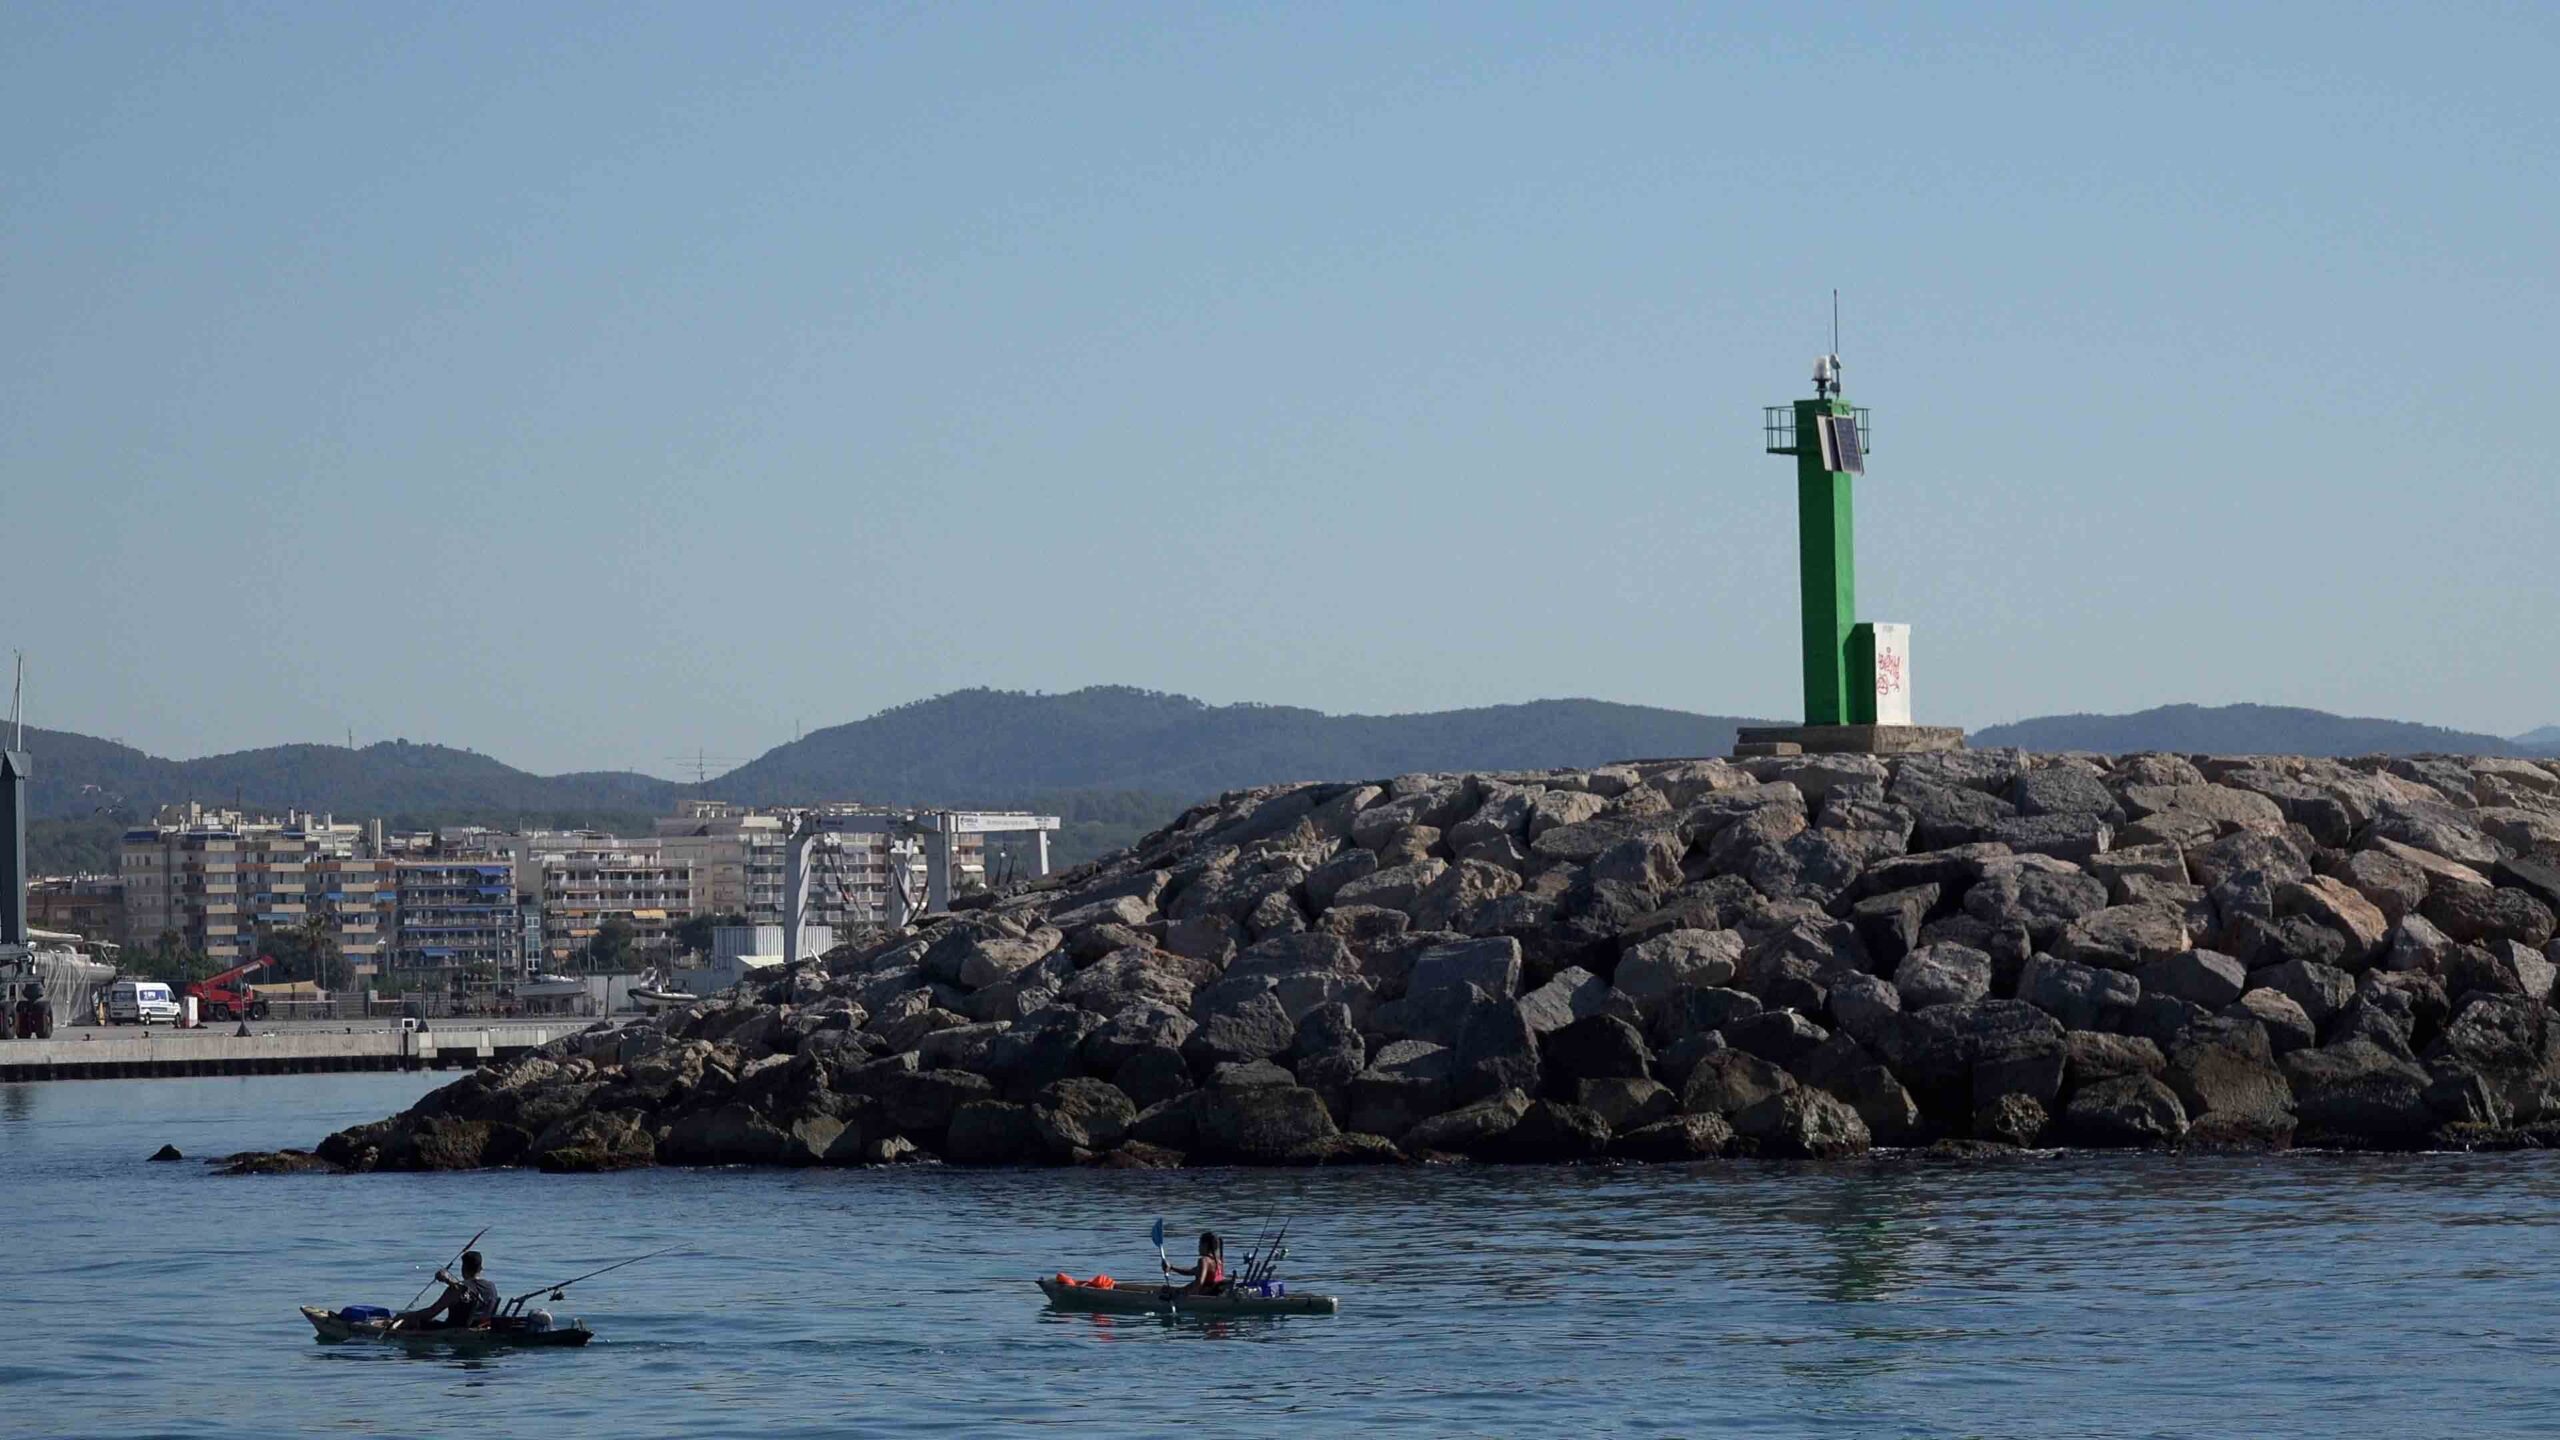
column 471, row 1300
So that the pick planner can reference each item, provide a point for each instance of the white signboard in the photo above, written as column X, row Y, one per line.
column 1893, row 674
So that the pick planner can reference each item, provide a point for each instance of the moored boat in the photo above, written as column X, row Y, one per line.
column 1068, row 1294
column 371, row 1322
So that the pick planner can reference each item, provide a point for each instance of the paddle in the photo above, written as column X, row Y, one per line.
column 422, row 1290
column 1162, row 1263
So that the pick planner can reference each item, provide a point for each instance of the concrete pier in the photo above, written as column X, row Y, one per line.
column 171, row 1053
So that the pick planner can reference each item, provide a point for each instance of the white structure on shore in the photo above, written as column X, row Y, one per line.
column 908, row 841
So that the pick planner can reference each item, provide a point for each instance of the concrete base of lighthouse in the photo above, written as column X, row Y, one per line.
column 1757, row 740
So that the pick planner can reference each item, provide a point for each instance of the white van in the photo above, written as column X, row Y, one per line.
column 141, row 1002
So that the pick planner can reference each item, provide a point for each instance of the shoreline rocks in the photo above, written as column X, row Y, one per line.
column 1789, row 957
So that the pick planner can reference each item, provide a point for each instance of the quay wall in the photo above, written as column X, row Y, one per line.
column 278, row 1053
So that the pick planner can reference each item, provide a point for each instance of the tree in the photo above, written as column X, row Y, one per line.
column 609, row 949
column 693, row 935
column 170, row 958
column 307, row 951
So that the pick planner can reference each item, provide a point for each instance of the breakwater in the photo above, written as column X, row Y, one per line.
column 1789, row 956
column 282, row 1052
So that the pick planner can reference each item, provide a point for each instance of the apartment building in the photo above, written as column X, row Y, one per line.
column 215, row 876
column 458, row 914
column 583, row 881
column 89, row 906
column 737, row 856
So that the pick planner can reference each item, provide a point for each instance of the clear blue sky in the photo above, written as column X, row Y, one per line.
column 588, row 384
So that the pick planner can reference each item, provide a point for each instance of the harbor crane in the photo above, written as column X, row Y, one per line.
column 905, row 835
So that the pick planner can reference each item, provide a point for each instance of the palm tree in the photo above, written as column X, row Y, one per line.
column 320, row 941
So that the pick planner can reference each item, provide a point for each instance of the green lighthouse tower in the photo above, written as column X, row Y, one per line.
column 1857, row 676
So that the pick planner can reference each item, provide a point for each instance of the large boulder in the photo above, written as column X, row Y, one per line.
column 1780, row 1037
column 1679, row 1138
column 2082, row 997
column 919, row 1104
column 1496, row 1050
column 1942, row 975
column 1491, row 965
column 2125, row 937
column 1889, row 925
column 2129, row 1110
column 991, row 1132
column 2200, row 977
column 1729, row 1082
column 1597, row 1047
column 1394, row 888
column 1475, row 1129
column 2321, row 990
column 1260, row 1125
column 1550, row 1130
column 2286, row 1025
column 2011, row 1120
column 1957, row 1058
column 2358, row 1093
column 2227, row 1078
column 2043, row 899
column 1082, row 1114
column 596, row 1140
column 1626, row 1104
column 2090, row 1056
column 1650, row 972
column 1255, row 1028
column 1802, row 1124
column 2333, row 905
column 1864, row 1007
column 1573, row 994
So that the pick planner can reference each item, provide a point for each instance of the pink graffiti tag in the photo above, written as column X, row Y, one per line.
column 1888, row 674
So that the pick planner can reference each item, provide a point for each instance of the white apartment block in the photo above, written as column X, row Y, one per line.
column 215, row 876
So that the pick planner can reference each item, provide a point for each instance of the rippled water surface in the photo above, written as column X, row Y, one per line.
column 2063, row 1296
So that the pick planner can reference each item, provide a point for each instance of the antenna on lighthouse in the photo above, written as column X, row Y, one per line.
column 17, row 695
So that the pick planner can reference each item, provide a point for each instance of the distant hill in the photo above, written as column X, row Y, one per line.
column 1113, row 762
column 979, row 746
column 81, row 778
column 2545, row 741
column 2239, row 730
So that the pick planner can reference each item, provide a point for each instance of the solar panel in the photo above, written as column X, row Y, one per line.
column 1841, row 450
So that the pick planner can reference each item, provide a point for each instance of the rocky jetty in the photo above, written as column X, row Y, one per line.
column 1802, row 956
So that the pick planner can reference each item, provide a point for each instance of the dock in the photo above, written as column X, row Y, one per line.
column 281, row 1052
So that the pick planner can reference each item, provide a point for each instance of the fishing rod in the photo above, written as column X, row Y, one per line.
column 1271, row 1260
column 457, row 1259
column 1261, row 1233
column 590, row 1275
column 1278, row 1249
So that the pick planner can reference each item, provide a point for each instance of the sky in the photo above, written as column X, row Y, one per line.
column 595, row 385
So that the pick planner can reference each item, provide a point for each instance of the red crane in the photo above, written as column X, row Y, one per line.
column 225, row 997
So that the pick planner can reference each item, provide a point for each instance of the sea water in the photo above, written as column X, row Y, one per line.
column 2059, row 1295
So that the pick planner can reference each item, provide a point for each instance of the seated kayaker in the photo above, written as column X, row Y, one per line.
column 471, row 1300
column 1209, row 1277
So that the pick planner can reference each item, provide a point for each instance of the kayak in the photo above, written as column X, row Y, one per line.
column 508, row 1332
column 1162, row 1300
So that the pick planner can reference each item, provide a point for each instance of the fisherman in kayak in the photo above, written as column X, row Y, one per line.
column 471, row 1300
column 1209, row 1277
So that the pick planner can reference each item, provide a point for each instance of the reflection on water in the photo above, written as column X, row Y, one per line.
column 2061, row 1295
